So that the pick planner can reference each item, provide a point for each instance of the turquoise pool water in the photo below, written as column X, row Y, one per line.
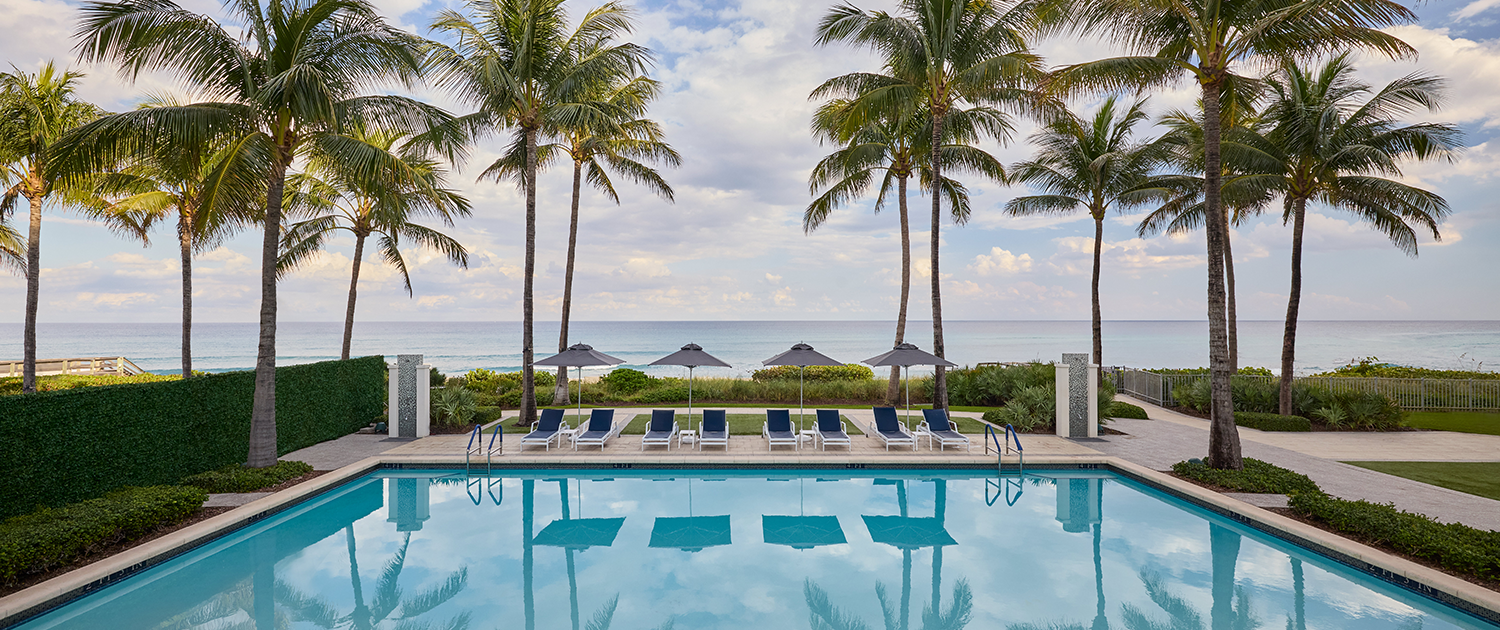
column 750, row 549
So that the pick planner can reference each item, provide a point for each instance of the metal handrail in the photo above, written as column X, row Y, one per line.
column 476, row 445
column 1010, row 435
column 993, row 437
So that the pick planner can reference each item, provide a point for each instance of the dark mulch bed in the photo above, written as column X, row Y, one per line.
column 1493, row 585
column 117, row 548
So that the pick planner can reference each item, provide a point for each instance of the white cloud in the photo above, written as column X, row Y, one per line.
column 1000, row 262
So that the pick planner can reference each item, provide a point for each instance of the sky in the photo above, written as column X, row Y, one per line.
column 736, row 77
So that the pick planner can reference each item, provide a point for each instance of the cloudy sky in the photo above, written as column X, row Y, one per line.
column 737, row 74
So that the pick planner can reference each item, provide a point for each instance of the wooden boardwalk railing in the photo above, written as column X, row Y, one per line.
column 120, row 366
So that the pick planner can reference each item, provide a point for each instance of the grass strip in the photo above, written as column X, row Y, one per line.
column 54, row 537
column 239, row 478
column 1476, row 478
column 1485, row 422
column 1257, row 476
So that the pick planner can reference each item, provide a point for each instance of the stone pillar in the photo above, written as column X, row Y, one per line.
column 409, row 503
column 1077, row 391
column 410, row 402
column 1078, row 502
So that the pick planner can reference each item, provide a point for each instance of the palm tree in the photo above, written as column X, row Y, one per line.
column 35, row 111
column 619, row 147
column 387, row 603
column 1089, row 165
column 12, row 244
column 1210, row 41
column 518, row 64
column 1338, row 151
column 892, row 148
column 384, row 204
column 197, row 179
column 942, row 57
column 290, row 81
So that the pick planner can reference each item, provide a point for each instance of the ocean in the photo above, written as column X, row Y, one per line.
column 457, row 347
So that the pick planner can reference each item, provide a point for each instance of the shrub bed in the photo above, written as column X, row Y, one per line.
column 69, row 446
column 1119, row 409
column 238, row 478
column 814, row 373
column 1450, row 545
column 53, row 537
column 11, row 385
column 1258, row 476
column 1271, row 421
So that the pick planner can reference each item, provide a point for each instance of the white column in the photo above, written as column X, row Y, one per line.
column 1062, row 400
column 393, row 410
column 424, row 401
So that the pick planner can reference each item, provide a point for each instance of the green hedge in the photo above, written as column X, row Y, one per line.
column 1257, row 476
column 53, row 537
column 1451, row 545
column 238, row 478
column 1271, row 421
column 1119, row 409
column 814, row 373
column 69, row 446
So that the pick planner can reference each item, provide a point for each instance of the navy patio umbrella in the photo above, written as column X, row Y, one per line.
column 690, row 533
column 802, row 531
column 690, row 356
column 580, row 356
column 801, row 355
column 905, row 355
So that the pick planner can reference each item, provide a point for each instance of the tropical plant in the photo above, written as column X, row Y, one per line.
column 1211, row 41
column 1338, row 151
column 210, row 189
column 388, row 603
column 331, row 197
column 520, row 66
column 626, row 146
column 950, row 59
column 1090, row 165
column 1030, row 409
column 890, row 147
column 292, row 79
column 454, row 405
column 36, row 110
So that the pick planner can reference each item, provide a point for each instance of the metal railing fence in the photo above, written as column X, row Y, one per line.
column 1410, row 393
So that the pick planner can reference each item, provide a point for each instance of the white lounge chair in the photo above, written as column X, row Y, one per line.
column 600, row 430
column 546, row 430
column 888, row 429
column 661, row 430
column 714, row 429
column 937, row 428
column 778, row 429
column 831, row 430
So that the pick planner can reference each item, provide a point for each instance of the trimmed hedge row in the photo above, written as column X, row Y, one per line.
column 1271, row 421
column 1258, row 476
column 53, row 537
column 1451, row 545
column 238, row 478
column 1119, row 409
column 69, row 446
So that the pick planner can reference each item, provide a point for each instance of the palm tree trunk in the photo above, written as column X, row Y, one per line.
column 1293, row 303
column 1094, row 288
column 528, row 602
column 33, row 288
column 560, row 395
column 1233, row 314
column 185, row 241
column 1224, row 553
column 1223, row 437
column 359, row 254
column 263, row 413
column 939, row 377
column 893, row 390
column 528, row 375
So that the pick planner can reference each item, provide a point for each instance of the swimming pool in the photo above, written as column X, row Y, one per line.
column 750, row 549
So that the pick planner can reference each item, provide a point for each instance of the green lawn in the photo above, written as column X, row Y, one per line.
column 1477, row 478
column 739, row 423
column 1487, row 422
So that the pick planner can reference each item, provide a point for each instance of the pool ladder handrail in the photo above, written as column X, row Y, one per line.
column 991, row 436
column 477, row 447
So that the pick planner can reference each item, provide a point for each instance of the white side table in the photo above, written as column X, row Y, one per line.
column 687, row 436
column 571, row 435
column 808, row 435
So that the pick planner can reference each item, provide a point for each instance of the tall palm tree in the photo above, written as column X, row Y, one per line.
column 1210, row 40
column 940, row 56
column 334, row 198
column 627, row 147
column 387, row 605
column 1089, row 165
column 893, row 148
column 35, row 111
column 291, row 80
column 1338, row 151
column 520, row 66
column 196, row 179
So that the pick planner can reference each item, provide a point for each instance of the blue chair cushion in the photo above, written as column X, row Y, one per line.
column 661, row 420
column 886, row 420
column 550, row 420
column 601, row 420
column 937, row 419
column 828, row 420
column 779, row 420
column 714, row 421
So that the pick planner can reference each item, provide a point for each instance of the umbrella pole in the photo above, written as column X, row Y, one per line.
column 690, row 397
column 908, row 395
column 801, row 371
column 580, row 395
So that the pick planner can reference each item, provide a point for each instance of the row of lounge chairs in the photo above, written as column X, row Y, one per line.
column 552, row 428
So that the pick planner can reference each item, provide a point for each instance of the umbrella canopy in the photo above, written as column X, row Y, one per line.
column 801, row 355
column 580, row 533
column 579, row 355
column 690, row 533
column 691, row 356
column 908, row 532
column 905, row 355
column 802, row 532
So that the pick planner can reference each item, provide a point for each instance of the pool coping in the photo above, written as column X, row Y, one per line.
column 1471, row 598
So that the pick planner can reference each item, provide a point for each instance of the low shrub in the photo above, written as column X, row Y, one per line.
column 54, row 537
column 995, row 385
column 1271, row 421
column 626, row 381
column 1119, row 409
column 453, row 406
column 436, row 378
column 1244, row 371
column 659, row 395
column 11, row 385
column 482, row 381
column 1360, row 410
column 814, row 373
column 1257, row 476
column 1373, row 366
column 487, row 414
column 1452, row 546
column 238, row 478
column 1030, row 409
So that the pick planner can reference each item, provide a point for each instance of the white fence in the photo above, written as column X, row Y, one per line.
column 1410, row 393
